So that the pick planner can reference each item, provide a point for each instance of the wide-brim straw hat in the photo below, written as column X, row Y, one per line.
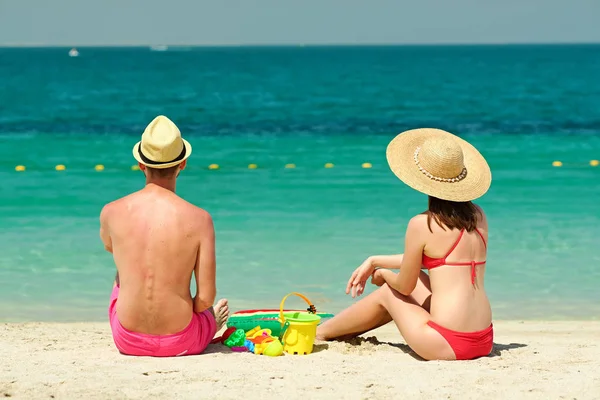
column 439, row 164
column 162, row 145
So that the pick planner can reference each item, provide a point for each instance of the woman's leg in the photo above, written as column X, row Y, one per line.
column 360, row 317
column 369, row 313
column 385, row 304
column 411, row 320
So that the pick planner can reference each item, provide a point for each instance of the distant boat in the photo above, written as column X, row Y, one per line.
column 73, row 52
column 160, row 47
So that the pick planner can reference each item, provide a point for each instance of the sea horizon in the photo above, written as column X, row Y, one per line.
column 296, row 44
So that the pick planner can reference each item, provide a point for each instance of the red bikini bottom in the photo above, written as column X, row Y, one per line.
column 467, row 345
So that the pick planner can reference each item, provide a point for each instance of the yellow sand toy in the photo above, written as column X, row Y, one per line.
column 263, row 342
column 257, row 331
column 298, row 329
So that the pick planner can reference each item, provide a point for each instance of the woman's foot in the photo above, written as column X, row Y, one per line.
column 221, row 313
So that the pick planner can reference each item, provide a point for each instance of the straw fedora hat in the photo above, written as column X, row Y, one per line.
column 162, row 145
column 439, row 164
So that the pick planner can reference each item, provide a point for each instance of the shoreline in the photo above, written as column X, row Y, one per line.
column 100, row 315
column 533, row 360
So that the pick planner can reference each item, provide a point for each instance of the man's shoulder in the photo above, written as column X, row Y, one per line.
column 198, row 219
column 108, row 209
column 189, row 210
column 112, row 207
column 199, row 213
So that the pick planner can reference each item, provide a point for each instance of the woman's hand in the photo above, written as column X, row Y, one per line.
column 377, row 278
column 358, row 280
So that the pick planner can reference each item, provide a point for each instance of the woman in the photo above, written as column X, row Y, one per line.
column 445, row 315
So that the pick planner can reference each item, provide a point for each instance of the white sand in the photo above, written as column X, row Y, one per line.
column 532, row 360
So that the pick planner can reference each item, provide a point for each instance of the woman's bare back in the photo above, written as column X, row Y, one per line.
column 459, row 301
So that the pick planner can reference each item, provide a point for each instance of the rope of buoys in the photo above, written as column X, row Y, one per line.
column 365, row 165
column 558, row 164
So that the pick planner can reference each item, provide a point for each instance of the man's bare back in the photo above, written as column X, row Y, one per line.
column 159, row 241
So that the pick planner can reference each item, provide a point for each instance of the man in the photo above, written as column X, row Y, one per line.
column 158, row 240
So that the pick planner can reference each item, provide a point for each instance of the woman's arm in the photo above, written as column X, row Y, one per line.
column 406, row 280
column 358, row 279
column 387, row 261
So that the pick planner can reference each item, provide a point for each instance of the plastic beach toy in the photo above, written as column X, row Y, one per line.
column 267, row 318
column 236, row 339
column 273, row 349
column 224, row 336
column 299, row 328
column 263, row 342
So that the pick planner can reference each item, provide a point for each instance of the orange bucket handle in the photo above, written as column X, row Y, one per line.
column 311, row 308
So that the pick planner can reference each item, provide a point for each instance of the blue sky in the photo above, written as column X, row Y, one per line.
column 232, row 22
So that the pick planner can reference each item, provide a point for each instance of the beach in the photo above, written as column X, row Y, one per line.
column 531, row 360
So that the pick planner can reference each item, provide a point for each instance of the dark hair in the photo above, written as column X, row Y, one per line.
column 162, row 172
column 459, row 215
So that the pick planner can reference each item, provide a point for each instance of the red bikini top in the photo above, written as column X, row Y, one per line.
column 430, row 263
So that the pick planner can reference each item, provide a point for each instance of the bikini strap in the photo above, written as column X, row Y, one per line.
column 482, row 238
column 473, row 270
column 462, row 232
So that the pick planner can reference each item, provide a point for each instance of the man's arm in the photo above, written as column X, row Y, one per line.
column 104, row 235
column 205, row 270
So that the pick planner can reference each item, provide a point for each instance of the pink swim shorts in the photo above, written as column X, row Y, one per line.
column 191, row 341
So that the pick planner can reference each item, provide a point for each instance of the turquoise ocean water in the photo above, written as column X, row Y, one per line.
column 303, row 229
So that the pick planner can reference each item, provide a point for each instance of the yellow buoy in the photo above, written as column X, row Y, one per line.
column 99, row 167
column 594, row 163
column 290, row 166
column 252, row 166
column 20, row 168
column 329, row 165
column 60, row 167
column 135, row 167
column 213, row 166
column 557, row 164
column 367, row 165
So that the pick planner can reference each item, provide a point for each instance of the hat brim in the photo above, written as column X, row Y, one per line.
column 400, row 157
column 136, row 155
